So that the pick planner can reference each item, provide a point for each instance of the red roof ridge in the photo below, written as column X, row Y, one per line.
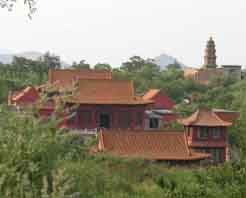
column 22, row 92
column 67, row 75
column 151, row 93
column 110, row 80
column 82, row 69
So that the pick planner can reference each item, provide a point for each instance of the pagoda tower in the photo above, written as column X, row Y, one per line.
column 210, row 54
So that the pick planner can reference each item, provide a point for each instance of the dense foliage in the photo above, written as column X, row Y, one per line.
column 39, row 160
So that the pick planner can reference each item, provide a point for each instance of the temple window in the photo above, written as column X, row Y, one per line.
column 153, row 123
column 216, row 132
column 216, row 155
column 202, row 133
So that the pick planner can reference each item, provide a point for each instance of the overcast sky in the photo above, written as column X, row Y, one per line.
column 113, row 30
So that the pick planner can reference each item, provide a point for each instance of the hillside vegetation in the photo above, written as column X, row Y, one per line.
column 39, row 160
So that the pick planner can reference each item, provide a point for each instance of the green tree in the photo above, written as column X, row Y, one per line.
column 134, row 64
column 103, row 66
column 51, row 61
column 81, row 65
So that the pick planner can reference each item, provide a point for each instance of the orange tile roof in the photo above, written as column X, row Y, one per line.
column 204, row 117
column 148, row 145
column 229, row 116
column 28, row 93
column 106, row 92
column 67, row 76
column 150, row 94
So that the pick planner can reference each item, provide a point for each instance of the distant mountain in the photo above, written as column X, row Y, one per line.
column 5, row 51
column 31, row 55
column 8, row 58
column 164, row 60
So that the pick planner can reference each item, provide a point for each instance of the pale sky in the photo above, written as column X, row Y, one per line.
column 113, row 30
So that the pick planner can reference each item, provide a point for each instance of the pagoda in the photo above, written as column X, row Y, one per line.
column 210, row 54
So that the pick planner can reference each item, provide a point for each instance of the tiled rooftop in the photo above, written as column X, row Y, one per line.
column 63, row 77
column 148, row 145
column 106, row 92
column 204, row 117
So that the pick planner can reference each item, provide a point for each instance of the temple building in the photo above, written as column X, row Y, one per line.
column 168, row 146
column 100, row 101
column 205, row 137
column 159, row 114
column 107, row 104
column 210, row 69
column 207, row 132
column 128, row 125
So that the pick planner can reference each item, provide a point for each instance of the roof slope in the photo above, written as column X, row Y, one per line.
column 161, row 100
column 26, row 95
column 150, row 94
column 106, row 92
column 229, row 116
column 148, row 145
column 67, row 76
column 204, row 117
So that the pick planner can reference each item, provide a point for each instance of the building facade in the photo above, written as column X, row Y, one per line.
column 168, row 146
column 91, row 100
column 159, row 114
column 207, row 132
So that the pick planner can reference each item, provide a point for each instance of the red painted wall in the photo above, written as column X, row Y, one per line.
column 210, row 138
column 169, row 117
column 193, row 139
column 162, row 101
column 112, row 110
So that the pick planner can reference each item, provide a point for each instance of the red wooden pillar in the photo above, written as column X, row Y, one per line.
column 143, row 119
column 63, row 123
column 222, row 154
column 116, row 120
column 133, row 119
column 76, row 124
column 94, row 119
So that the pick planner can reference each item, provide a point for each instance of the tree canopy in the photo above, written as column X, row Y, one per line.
column 39, row 160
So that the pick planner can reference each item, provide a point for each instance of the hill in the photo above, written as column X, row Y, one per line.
column 6, row 57
column 164, row 60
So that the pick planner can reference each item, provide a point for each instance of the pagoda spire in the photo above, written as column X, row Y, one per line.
column 210, row 54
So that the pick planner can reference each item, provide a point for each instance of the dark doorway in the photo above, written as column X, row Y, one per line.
column 104, row 120
column 153, row 123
